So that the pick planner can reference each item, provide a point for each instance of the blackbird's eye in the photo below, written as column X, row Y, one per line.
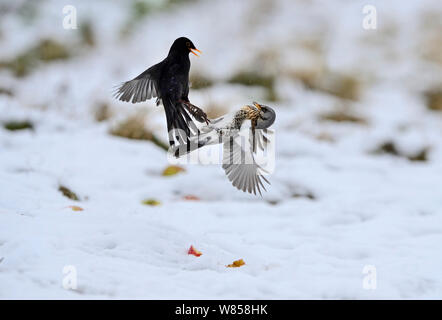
column 188, row 43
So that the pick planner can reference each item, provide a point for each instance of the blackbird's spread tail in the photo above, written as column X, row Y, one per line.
column 179, row 123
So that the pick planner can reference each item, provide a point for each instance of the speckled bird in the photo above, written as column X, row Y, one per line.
column 238, row 155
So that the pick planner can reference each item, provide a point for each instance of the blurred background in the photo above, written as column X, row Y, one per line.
column 358, row 129
column 333, row 83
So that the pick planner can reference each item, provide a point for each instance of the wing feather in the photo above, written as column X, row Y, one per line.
column 240, row 166
column 142, row 87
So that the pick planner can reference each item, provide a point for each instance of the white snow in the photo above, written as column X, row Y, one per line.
column 367, row 209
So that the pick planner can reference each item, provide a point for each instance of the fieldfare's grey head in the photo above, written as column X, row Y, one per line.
column 267, row 116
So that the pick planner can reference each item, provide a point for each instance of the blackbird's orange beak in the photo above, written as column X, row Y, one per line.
column 193, row 51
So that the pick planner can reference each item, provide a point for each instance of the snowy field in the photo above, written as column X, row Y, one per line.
column 357, row 180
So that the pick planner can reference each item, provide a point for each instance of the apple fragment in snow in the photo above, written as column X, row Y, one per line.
column 193, row 251
column 236, row 264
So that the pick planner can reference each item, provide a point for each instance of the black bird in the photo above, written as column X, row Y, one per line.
column 168, row 81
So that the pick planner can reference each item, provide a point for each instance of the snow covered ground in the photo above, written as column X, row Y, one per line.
column 334, row 206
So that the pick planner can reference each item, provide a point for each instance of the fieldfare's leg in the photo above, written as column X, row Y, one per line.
column 196, row 112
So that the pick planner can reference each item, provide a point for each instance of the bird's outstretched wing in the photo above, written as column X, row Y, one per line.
column 240, row 165
column 143, row 87
column 259, row 139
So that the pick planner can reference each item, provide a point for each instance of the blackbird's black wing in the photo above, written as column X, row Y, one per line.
column 141, row 88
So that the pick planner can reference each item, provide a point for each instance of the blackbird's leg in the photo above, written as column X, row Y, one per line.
column 196, row 112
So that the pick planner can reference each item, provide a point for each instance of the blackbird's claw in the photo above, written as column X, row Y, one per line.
column 196, row 112
column 204, row 116
column 199, row 114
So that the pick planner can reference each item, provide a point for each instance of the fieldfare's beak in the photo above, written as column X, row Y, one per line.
column 193, row 51
column 256, row 104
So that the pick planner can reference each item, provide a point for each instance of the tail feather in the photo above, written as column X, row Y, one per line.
column 179, row 124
